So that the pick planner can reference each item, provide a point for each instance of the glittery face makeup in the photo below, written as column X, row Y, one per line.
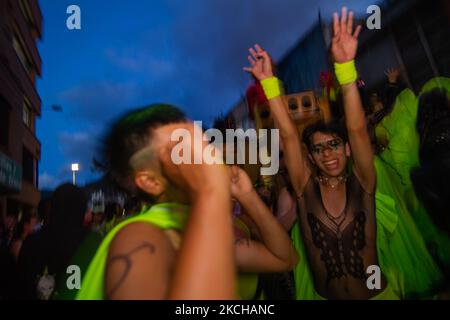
column 333, row 145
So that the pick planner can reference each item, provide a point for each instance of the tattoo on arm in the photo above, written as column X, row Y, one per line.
column 126, row 258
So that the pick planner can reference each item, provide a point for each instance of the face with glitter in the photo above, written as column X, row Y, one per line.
column 329, row 153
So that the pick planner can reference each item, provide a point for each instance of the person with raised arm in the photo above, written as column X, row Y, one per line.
column 336, row 205
column 181, row 247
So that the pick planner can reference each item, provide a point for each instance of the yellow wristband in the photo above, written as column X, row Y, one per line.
column 272, row 87
column 346, row 72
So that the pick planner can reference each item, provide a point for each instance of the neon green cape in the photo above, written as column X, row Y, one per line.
column 402, row 254
column 402, row 154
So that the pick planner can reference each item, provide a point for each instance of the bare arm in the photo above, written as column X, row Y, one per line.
column 344, row 47
column 139, row 263
column 275, row 252
column 261, row 68
column 286, row 211
column 205, row 267
column 142, row 263
column 141, row 259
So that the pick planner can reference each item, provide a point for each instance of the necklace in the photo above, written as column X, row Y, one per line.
column 338, row 225
column 334, row 220
column 340, row 218
column 327, row 181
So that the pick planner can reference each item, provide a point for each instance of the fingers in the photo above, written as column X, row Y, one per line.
column 350, row 23
column 253, row 53
column 261, row 53
column 258, row 58
column 234, row 174
column 259, row 49
column 336, row 27
column 344, row 19
column 345, row 23
column 357, row 32
column 251, row 60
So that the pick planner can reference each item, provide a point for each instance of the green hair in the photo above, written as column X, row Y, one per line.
column 130, row 133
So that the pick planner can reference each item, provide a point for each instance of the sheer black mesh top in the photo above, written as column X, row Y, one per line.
column 339, row 247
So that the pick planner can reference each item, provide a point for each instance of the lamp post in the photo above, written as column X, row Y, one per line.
column 75, row 168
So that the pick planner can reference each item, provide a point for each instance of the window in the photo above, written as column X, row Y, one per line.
column 27, row 115
column 28, row 166
column 21, row 53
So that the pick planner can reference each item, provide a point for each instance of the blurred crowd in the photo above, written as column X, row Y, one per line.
column 277, row 256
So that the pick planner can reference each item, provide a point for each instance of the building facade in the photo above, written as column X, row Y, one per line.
column 414, row 37
column 20, row 104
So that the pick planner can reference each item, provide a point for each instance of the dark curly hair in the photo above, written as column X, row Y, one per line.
column 335, row 128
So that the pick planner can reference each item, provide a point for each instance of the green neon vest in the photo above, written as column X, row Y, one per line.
column 164, row 216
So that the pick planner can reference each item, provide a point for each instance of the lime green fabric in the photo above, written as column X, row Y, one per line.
column 399, row 127
column 404, row 259
column 387, row 294
column 247, row 282
column 417, row 273
column 303, row 278
column 437, row 241
column 402, row 154
column 164, row 216
column 440, row 82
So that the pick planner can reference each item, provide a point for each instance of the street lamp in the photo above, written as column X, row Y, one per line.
column 75, row 168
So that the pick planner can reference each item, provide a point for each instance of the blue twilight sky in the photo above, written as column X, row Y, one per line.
column 133, row 53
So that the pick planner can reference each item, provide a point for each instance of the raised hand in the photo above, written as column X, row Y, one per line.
column 194, row 178
column 392, row 74
column 260, row 63
column 241, row 184
column 345, row 41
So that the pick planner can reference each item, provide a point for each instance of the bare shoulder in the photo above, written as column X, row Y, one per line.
column 140, row 261
column 141, row 234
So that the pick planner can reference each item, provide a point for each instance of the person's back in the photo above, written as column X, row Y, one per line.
column 45, row 255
